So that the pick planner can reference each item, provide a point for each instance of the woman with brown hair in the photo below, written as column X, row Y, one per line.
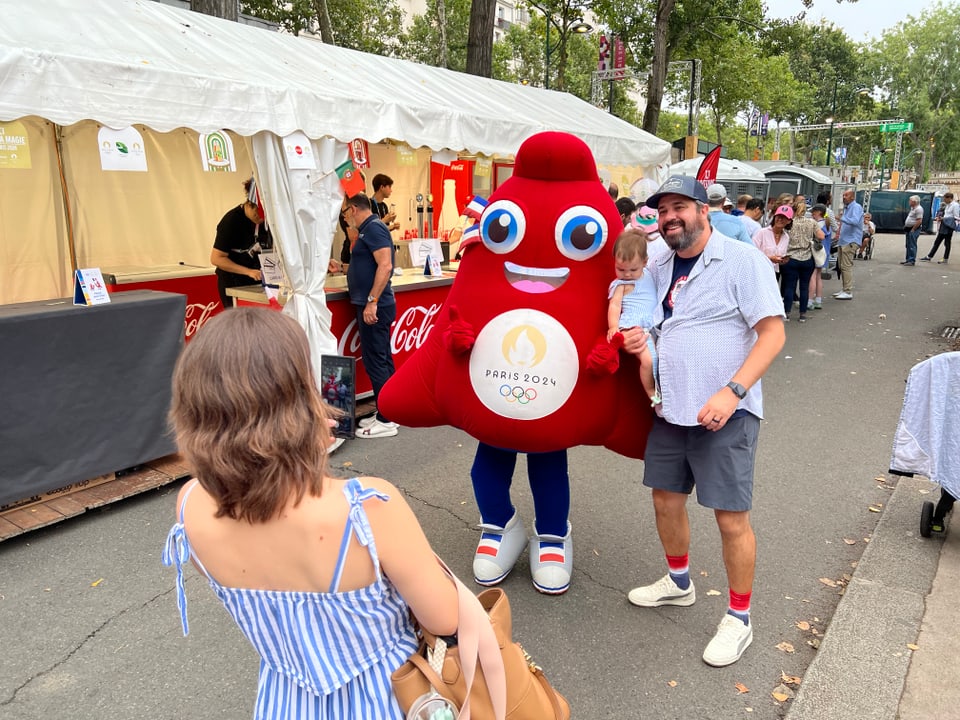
column 319, row 573
column 800, row 263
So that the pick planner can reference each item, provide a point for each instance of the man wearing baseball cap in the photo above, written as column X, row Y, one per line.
column 727, row 224
column 719, row 325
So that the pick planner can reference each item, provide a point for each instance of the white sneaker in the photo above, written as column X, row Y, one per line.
column 367, row 421
column 335, row 445
column 378, row 429
column 732, row 638
column 551, row 561
column 844, row 296
column 663, row 592
column 838, row 292
column 498, row 551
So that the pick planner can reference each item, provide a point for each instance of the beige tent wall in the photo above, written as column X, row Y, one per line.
column 164, row 216
column 33, row 230
column 633, row 181
column 408, row 180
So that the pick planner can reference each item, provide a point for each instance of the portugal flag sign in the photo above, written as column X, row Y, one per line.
column 350, row 179
column 707, row 174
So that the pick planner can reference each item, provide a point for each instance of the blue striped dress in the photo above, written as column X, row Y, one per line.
column 322, row 655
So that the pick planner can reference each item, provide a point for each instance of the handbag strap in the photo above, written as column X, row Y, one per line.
column 476, row 641
column 551, row 693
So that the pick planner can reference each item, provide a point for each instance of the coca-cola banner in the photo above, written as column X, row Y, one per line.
column 203, row 300
column 417, row 311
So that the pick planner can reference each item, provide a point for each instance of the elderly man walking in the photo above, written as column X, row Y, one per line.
column 851, row 235
column 911, row 229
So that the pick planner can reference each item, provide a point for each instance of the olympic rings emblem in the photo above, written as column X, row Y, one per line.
column 517, row 394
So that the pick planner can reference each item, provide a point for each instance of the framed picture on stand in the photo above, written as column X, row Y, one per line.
column 338, row 386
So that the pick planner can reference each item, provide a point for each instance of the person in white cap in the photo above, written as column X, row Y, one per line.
column 725, row 223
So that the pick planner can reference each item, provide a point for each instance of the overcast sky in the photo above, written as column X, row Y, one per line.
column 860, row 20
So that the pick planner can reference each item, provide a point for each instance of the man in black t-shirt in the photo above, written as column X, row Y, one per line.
column 240, row 237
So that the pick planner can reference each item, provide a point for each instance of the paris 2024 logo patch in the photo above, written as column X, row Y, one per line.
column 520, row 366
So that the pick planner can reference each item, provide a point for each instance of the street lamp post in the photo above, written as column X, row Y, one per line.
column 833, row 115
column 578, row 26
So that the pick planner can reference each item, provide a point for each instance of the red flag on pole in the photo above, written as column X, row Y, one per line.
column 707, row 174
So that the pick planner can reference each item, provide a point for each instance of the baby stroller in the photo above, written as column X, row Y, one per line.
column 927, row 441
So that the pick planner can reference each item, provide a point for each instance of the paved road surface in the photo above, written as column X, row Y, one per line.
column 88, row 618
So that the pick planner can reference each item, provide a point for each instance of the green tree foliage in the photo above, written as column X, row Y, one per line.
column 916, row 67
column 365, row 25
column 424, row 43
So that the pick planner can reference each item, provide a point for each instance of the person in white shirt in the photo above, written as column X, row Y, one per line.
column 912, row 226
column 949, row 220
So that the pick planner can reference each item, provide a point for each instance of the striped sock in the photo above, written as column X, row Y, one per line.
column 679, row 570
column 740, row 606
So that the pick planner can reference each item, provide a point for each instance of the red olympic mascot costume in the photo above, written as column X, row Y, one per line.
column 518, row 356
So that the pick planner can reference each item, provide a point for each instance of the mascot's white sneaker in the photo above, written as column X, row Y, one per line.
column 551, row 561
column 498, row 551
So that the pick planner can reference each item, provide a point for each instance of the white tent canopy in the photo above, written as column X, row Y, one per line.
column 126, row 62
column 121, row 62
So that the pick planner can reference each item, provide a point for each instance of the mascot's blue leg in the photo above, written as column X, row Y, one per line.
column 550, row 487
column 492, row 474
column 551, row 546
column 504, row 536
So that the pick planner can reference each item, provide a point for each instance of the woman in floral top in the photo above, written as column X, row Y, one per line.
column 800, row 263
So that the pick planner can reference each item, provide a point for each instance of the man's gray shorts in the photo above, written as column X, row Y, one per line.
column 720, row 464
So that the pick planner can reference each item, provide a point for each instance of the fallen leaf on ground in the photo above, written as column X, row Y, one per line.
column 803, row 625
column 874, row 508
column 912, row 646
column 741, row 688
column 850, row 541
column 713, row 592
column 785, row 647
column 828, row 582
column 348, row 464
column 96, row 582
column 814, row 643
column 596, row 553
column 672, row 683
column 789, row 679
column 704, row 573
column 781, row 693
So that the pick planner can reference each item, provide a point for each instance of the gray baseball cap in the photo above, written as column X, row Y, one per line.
column 679, row 185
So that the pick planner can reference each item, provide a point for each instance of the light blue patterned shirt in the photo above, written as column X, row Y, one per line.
column 710, row 333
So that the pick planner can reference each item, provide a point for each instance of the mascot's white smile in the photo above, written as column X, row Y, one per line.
column 535, row 280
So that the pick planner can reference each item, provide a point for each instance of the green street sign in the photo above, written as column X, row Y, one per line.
column 897, row 127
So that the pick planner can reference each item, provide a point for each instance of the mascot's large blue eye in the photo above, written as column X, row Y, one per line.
column 502, row 226
column 581, row 232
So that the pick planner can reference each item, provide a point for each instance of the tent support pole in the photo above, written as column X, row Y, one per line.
column 65, row 197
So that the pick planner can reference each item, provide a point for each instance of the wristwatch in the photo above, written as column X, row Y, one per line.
column 371, row 298
column 739, row 390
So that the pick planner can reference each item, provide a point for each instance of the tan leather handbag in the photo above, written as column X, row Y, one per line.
column 507, row 685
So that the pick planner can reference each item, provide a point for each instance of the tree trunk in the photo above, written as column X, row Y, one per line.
column 480, row 38
column 442, row 22
column 226, row 9
column 323, row 20
column 658, row 68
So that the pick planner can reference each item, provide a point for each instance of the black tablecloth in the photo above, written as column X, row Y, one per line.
column 85, row 390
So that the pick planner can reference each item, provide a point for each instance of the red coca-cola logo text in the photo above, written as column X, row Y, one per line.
column 408, row 332
column 196, row 315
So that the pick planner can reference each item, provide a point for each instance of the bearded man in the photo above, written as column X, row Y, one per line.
column 718, row 327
